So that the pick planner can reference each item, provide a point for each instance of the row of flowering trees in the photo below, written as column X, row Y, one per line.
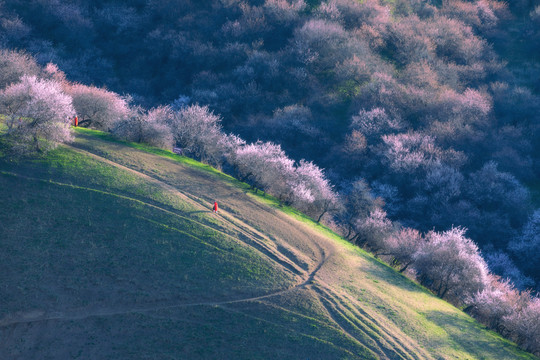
column 39, row 104
column 451, row 265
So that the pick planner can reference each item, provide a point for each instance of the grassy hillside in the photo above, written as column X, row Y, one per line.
column 110, row 250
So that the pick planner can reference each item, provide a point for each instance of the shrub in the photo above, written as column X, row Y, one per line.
column 500, row 263
column 354, row 14
column 499, row 192
column 322, row 44
column 527, row 243
column 357, row 203
column 407, row 42
column 293, row 123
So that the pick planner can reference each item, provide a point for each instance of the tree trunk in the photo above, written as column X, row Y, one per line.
column 349, row 232
column 355, row 238
column 320, row 217
column 36, row 143
column 405, row 267
column 85, row 121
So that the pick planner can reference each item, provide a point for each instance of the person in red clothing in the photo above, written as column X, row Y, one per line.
column 215, row 207
column 76, row 121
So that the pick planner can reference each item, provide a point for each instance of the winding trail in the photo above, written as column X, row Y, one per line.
column 265, row 251
column 79, row 314
column 256, row 239
column 354, row 323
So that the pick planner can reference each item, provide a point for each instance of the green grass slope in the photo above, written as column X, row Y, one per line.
column 110, row 251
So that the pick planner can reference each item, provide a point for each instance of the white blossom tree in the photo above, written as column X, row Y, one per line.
column 451, row 265
column 318, row 196
column 408, row 152
column 496, row 302
column 524, row 326
column 98, row 108
column 265, row 166
column 14, row 65
column 197, row 130
column 374, row 123
column 403, row 246
column 514, row 314
column 38, row 114
column 374, row 230
column 146, row 127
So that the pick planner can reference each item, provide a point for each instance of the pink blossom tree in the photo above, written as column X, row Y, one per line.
column 265, row 166
column 524, row 326
column 197, row 130
column 374, row 230
column 374, row 123
column 497, row 302
column 514, row 314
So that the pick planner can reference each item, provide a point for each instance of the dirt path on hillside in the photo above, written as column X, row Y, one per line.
column 79, row 314
column 381, row 342
column 360, row 326
column 273, row 246
column 263, row 243
column 38, row 316
column 251, row 237
column 203, row 188
column 256, row 239
column 265, row 251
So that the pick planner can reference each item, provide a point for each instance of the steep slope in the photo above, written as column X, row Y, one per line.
column 111, row 251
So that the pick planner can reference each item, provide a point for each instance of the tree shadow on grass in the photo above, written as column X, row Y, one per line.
column 384, row 273
column 472, row 337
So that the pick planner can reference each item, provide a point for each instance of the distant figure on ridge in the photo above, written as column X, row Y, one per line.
column 215, row 207
column 76, row 121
